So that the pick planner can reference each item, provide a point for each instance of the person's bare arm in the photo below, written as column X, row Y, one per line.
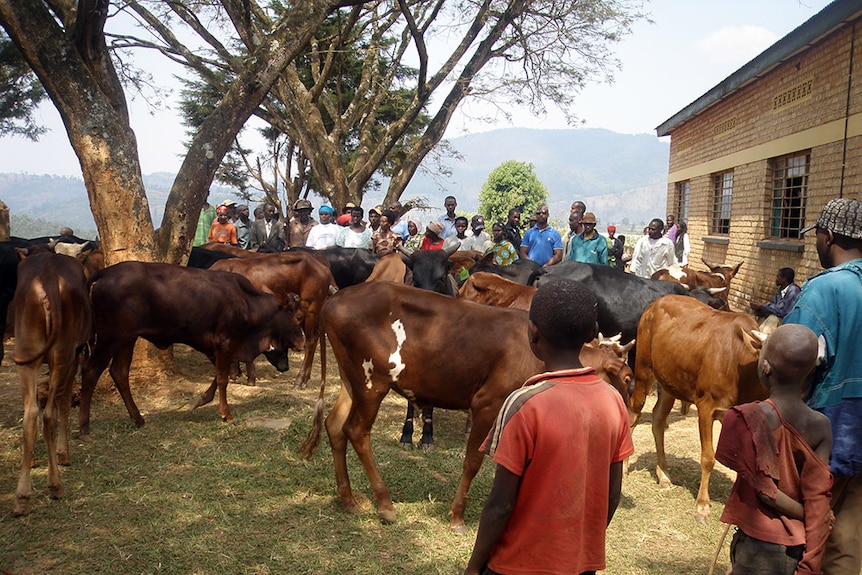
column 498, row 509
column 556, row 258
column 524, row 251
column 785, row 505
column 614, row 488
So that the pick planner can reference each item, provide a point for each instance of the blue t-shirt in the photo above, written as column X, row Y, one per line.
column 830, row 304
column 542, row 243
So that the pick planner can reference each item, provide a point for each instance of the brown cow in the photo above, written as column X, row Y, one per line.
column 718, row 276
column 220, row 314
column 284, row 274
column 52, row 324
column 700, row 355
column 387, row 336
column 607, row 356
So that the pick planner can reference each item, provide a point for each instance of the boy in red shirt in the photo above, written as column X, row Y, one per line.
column 559, row 443
column 780, row 449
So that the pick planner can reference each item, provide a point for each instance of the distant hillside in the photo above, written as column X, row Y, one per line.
column 619, row 176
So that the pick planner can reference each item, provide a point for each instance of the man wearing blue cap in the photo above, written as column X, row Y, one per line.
column 323, row 235
column 830, row 304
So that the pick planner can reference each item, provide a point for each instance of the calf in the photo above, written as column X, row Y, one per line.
column 387, row 336
column 217, row 313
column 718, row 276
column 700, row 355
column 52, row 324
column 284, row 274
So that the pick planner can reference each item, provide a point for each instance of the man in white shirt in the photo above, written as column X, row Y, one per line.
column 652, row 252
column 477, row 238
column 323, row 235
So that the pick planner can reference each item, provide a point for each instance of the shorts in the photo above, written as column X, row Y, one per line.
column 750, row 556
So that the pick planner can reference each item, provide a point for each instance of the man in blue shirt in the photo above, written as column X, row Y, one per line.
column 773, row 313
column 589, row 246
column 542, row 243
column 830, row 304
column 448, row 219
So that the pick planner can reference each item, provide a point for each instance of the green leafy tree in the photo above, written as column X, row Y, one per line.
column 512, row 184
column 20, row 93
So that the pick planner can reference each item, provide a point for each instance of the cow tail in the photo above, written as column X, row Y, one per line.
column 52, row 311
column 313, row 438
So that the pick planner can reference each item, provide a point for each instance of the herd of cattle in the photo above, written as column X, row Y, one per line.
column 462, row 347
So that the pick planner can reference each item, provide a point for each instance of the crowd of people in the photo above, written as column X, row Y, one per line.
column 664, row 243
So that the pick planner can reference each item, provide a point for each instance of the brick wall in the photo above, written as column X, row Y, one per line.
column 801, row 105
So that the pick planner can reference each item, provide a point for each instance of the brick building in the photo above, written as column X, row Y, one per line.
column 755, row 159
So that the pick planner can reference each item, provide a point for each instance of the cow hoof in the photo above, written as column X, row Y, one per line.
column 21, row 506
column 227, row 418
column 458, row 528
column 251, row 383
column 63, row 458
column 196, row 402
column 701, row 519
column 426, row 447
column 387, row 515
column 86, row 437
column 139, row 423
column 405, row 445
column 55, row 491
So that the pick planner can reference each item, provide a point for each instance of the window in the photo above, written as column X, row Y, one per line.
column 789, row 195
column 683, row 197
column 722, row 190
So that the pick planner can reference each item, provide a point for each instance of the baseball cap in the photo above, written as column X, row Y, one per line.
column 477, row 223
column 612, row 228
column 842, row 216
column 588, row 218
column 228, row 203
column 376, row 209
column 343, row 219
column 349, row 205
column 302, row 204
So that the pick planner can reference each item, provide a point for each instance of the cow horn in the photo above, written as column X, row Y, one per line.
column 759, row 335
column 710, row 265
column 627, row 347
column 617, row 337
column 451, row 249
column 715, row 291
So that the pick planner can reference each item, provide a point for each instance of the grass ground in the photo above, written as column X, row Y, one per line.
column 188, row 494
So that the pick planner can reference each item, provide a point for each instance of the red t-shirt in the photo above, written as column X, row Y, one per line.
column 426, row 244
column 560, row 433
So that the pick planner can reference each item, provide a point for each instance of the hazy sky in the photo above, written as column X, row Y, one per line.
column 691, row 46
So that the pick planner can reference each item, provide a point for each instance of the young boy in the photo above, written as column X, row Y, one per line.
column 559, row 442
column 780, row 449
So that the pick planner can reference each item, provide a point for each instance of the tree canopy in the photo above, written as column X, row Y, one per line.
column 20, row 93
column 512, row 184
column 344, row 119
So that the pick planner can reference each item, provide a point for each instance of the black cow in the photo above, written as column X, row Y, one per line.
column 430, row 271
column 217, row 313
column 203, row 258
column 522, row 271
column 349, row 266
column 622, row 297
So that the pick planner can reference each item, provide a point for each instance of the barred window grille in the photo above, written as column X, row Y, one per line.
column 723, row 189
column 683, row 199
column 789, row 195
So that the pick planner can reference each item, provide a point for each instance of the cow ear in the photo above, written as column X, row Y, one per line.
column 21, row 253
column 486, row 260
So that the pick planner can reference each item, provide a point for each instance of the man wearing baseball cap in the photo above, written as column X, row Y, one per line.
column 831, row 306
